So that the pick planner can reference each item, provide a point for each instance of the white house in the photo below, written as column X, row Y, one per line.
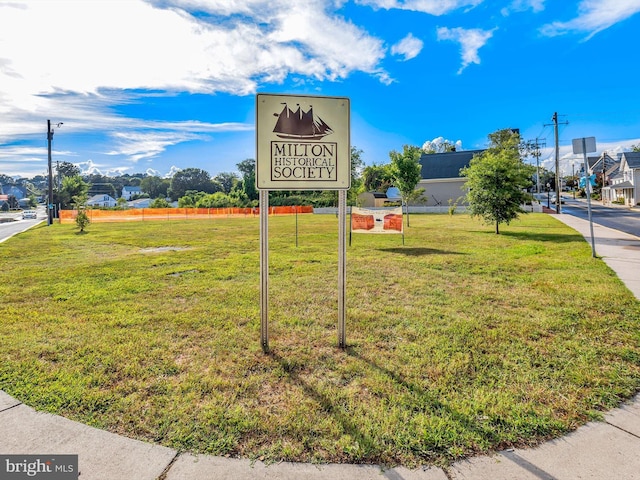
column 140, row 203
column 102, row 200
column 128, row 192
column 624, row 185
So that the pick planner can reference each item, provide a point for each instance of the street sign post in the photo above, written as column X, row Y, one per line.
column 584, row 145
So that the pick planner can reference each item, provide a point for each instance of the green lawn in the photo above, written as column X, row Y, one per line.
column 460, row 341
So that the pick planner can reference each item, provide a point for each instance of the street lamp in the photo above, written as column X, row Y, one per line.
column 548, row 188
column 50, row 190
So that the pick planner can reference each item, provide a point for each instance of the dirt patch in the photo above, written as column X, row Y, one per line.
column 162, row 249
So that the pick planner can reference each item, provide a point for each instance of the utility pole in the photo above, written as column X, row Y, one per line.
column 534, row 147
column 50, row 189
column 558, row 180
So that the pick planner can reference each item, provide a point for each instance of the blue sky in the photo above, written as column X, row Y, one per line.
column 159, row 85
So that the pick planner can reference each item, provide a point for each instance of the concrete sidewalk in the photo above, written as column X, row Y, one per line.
column 598, row 450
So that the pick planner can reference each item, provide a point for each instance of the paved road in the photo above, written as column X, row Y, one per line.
column 9, row 229
column 618, row 218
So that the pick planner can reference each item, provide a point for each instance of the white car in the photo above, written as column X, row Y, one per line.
column 29, row 214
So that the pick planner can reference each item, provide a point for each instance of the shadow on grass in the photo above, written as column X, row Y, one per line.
column 418, row 251
column 418, row 398
column 545, row 237
column 426, row 398
column 348, row 425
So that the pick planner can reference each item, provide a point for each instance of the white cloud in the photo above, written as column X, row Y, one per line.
column 440, row 145
column 470, row 42
column 433, row 7
column 594, row 16
column 78, row 59
column 524, row 5
column 132, row 45
column 139, row 145
column 409, row 47
column 172, row 171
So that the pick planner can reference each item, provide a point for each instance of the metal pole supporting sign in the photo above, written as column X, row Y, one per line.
column 584, row 145
column 264, row 270
column 342, row 268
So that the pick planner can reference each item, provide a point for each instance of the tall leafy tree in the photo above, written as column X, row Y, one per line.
column 73, row 187
column 497, row 179
column 247, row 169
column 67, row 169
column 190, row 179
column 357, row 166
column 376, row 178
column 406, row 171
column 227, row 181
column 155, row 186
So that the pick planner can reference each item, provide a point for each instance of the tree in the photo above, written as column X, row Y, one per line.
column 215, row 200
column 155, row 186
column 190, row 199
column 357, row 165
column 376, row 178
column 80, row 202
column 67, row 169
column 190, row 179
column 72, row 187
column 5, row 180
column 227, row 181
column 406, row 171
column 635, row 147
column 497, row 180
column 159, row 203
column 247, row 169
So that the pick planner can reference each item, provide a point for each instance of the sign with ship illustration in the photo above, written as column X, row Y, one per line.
column 300, row 125
column 302, row 143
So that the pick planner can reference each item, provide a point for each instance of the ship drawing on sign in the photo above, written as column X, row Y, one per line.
column 300, row 125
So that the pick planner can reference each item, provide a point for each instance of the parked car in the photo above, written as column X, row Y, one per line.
column 29, row 214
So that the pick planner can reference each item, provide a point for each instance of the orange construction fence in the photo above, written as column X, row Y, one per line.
column 146, row 214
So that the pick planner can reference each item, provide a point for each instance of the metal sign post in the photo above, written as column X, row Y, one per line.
column 584, row 145
column 264, row 270
column 342, row 268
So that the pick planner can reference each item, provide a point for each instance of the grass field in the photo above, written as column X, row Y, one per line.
column 460, row 341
